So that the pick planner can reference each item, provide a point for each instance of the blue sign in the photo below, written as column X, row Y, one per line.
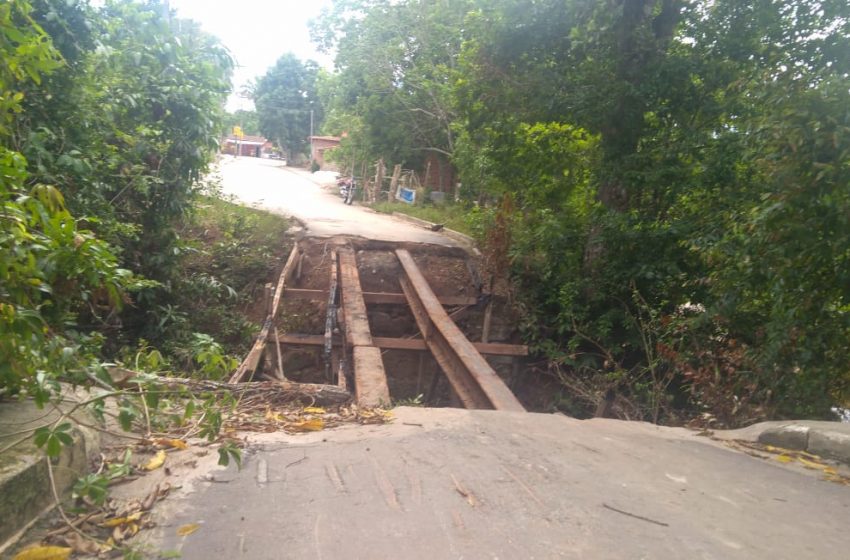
column 406, row 195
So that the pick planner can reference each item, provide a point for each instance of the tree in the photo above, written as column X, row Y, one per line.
column 130, row 127
column 721, row 137
column 249, row 121
column 119, row 131
column 397, row 63
column 50, row 268
column 286, row 101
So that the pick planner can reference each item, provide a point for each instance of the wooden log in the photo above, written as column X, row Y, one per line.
column 472, row 378
column 273, row 390
column 414, row 344
column 394, row 182
column 249, row 364
column 280, row 374
column 488, row 321
column 268, row 295
column 379, row 179
column 377, row 297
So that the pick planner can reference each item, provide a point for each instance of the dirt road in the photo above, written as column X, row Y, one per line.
column 267, row 184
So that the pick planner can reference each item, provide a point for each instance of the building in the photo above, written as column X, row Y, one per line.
column 438, row 174
column 318, row 146
column 252, row 146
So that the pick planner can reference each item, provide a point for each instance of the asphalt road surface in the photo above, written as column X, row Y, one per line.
column 451, row 483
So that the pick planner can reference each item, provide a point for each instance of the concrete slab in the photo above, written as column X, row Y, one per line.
column 830, row 443
column 451, row 483
column 827, row 439
column 24, row 481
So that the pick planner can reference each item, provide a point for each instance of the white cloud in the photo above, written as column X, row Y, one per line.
column 257, row 33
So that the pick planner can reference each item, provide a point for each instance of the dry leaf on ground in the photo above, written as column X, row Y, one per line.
column 186, row 530
column 157, row 461
column 114, row 522
column 172, row 442
column 39, row 552
column 791, row 456
column 312, row 425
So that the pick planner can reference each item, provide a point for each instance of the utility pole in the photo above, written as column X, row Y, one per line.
column 311, row 139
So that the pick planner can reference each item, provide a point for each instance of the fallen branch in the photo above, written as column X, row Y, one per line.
column 286, row 391
column 249, row 364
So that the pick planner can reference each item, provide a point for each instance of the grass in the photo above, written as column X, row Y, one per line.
column 232, row 251
column 453, row 216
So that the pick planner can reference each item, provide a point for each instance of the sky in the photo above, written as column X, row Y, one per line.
column 257, row 32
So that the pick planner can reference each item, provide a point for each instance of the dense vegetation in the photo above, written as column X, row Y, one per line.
column 109, row 116
column 667, row 178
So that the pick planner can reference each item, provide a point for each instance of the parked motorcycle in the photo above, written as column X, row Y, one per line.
column 346, row 189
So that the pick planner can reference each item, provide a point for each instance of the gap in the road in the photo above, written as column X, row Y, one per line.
column 452, row 275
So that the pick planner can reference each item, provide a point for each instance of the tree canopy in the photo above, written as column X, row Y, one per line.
column 109, row 115
column 286, row 101
column 673, row 172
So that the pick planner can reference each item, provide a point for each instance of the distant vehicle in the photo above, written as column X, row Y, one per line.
column 273, row 155
column 346, row 189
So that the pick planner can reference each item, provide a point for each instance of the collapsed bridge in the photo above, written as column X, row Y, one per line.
column 331, row 288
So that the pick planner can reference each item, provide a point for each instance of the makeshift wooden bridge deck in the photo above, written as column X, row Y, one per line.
column 353, row 356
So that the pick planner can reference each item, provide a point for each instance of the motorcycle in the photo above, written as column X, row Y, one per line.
column 346, row 189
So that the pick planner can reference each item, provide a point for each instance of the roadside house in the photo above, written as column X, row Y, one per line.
column 319, row 145
column 252, row 146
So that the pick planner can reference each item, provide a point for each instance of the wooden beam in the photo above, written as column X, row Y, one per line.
column 330, row 315
column 377, row 297
column 370, row 379
column 413, row 344
column 472, row 378
column 249, row 364
column 353, row 305
column 492, row 348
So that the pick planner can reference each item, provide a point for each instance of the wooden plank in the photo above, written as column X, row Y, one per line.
column 370, row 381
column 377, row 297
column 330, row 315
column 249, row 364
column 353, row 305
column 464, row 385
column 413, row 344
column 491, row 348
column 466, row 369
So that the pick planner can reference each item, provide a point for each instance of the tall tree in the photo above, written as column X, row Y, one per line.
column 397, row 62
column 286, row 101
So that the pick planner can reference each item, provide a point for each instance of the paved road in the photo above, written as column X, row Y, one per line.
column 267, row 184
column 450, row 483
